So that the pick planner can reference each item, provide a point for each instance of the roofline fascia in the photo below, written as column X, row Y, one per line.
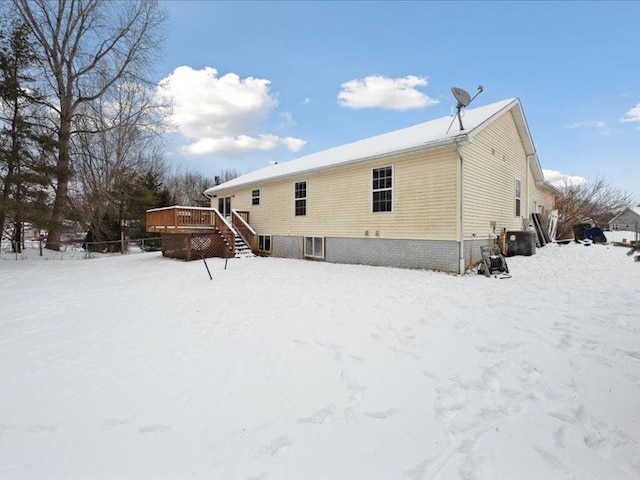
column 622, row 212
column 478, row 128
column 549, row 186
column 534, row 153
column 459, row 139
column 180, row 206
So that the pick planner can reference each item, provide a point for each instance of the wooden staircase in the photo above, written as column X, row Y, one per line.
column 242, row 249
column 188, row 232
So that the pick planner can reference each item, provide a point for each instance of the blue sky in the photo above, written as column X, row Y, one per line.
column 257, row 82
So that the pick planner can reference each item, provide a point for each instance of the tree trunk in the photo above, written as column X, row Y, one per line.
column 63, row 173
column 16, row 241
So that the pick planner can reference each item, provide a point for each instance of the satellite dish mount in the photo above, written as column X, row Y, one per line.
column 463, row 99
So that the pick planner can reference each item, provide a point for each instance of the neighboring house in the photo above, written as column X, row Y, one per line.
column 72, row 231
column 426, row 196
column 628, row 219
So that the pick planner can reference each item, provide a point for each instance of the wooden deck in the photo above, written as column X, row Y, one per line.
column 182, row 220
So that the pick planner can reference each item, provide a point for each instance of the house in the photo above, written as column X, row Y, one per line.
column 428, row 196
column 72, row 231
column 628, row 219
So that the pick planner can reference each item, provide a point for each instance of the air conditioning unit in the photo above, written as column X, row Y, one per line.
column 520, row 242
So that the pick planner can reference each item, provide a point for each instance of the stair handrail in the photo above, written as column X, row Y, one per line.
column 226, row 230
column 244, row 229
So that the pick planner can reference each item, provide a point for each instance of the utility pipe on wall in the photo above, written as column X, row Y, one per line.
column 526, row 211
column 461, row 264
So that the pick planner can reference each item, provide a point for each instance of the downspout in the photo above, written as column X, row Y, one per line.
column 461, row 265
column 528, row 199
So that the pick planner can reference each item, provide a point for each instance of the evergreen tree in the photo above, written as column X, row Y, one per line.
column 132, row 195
column 89, row 48
column 25, row 147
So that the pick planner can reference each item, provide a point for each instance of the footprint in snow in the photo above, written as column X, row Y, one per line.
column 262, row 476
column 560, row 435
column 6, row 428
column 553, row 460
column 117, row 422
column 322, row 416
column 155, row 429
column 278, row 445
column 563, row 417
column 43, row 428
column 635, row 355
column 389, row 412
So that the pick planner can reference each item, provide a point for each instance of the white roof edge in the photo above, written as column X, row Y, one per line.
column 353, row 153
column 549, row 186
column 635, row 210
column 481, row 126
column 525, row 134
column 373, row 158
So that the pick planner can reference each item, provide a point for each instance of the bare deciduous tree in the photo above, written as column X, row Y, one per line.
column 88, row 46
column 187, row 188
column 117, row 138
column 596, row 201
column 226, row 175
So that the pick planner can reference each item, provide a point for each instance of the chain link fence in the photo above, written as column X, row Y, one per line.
column 79, row 249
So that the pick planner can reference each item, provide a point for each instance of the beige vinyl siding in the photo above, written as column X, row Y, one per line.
column 543, row 196
column 492, row 163
column 339, row 200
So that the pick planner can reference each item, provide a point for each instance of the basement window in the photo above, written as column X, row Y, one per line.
column 264, row 243
column 382, row 189
column 314, row 247
column 255, row 197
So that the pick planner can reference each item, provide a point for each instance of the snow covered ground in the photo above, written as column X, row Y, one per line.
column 138, row 367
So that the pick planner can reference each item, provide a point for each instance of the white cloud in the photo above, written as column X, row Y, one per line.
column 633, row 115
column 221, row 114
column 242, row 143
column 559, row 179
column 287, row 120
column 293, row 144
column 599, row 125
column 376, row 91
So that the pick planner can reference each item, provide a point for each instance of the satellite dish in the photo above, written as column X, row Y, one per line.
column 463, row 99
column 462, row 96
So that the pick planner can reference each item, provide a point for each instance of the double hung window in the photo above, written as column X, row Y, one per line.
column 382, row 189
column 300, row 198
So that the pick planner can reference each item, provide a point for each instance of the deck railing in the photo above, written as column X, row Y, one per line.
column 164, row 220
column 179, row 219
column 240, row 221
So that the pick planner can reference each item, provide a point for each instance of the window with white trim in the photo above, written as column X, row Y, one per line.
column 382, row 189
column 518, row 196
column 314, row 247
column 300, row 198
column 264, row 243
column 255, row 197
